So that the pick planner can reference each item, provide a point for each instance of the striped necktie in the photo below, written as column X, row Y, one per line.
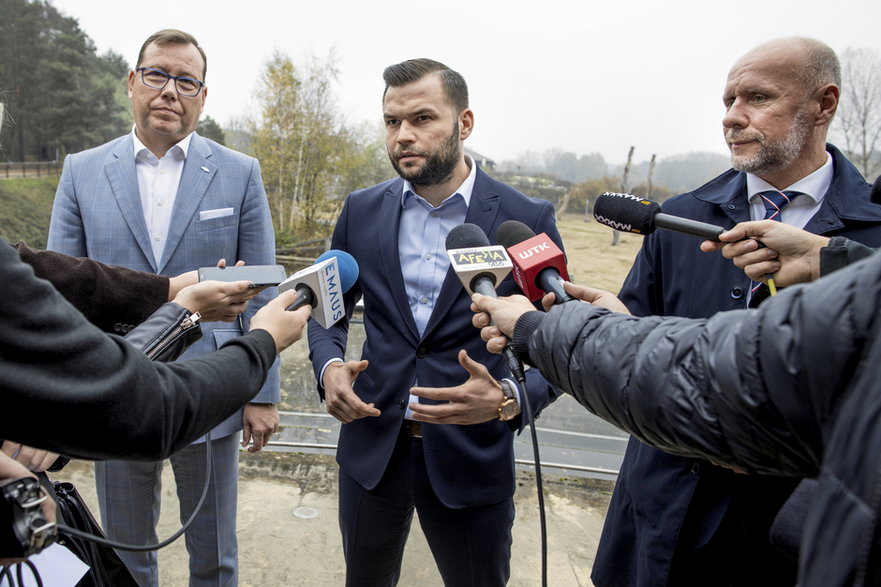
column 774, row 202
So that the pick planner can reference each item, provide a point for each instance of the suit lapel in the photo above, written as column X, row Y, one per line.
column 198, row 172
column 388, row 251
column 482, row 211
column 123, row 179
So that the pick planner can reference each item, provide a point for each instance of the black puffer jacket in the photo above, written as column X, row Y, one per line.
column 793, row 388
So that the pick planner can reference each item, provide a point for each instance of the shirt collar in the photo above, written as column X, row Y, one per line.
column 813, row 186
column 464, row 190
column 181, row 147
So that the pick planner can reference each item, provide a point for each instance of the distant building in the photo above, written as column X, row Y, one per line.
column 485, row 162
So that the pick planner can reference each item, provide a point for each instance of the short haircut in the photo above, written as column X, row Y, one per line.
column 413, row 70
column 820, row 67
column 173, row 37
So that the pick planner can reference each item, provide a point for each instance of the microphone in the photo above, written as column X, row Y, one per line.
column 480, row 266
column 629, row 213
column 322, row 286
column 539, row 264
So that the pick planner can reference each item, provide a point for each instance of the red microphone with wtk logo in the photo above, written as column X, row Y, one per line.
column 539, row 264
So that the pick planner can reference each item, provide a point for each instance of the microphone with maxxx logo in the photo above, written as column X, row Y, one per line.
column 629, row 213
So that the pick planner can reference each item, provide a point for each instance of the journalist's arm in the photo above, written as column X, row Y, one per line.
column 98, row 396
column 751, row 389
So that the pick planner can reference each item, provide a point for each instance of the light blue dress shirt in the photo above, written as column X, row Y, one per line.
column 422, row 237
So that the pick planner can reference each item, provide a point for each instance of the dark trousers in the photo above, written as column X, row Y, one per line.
column 471, row 546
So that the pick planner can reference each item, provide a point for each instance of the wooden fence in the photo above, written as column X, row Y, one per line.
column 30, row 169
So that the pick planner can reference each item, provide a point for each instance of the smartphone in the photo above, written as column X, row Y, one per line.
column 260, row 275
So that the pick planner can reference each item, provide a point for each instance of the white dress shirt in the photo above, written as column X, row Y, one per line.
column 158, row 180
column 797, row 213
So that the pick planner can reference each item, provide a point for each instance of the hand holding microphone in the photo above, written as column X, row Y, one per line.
column 497, row 317
column 629, row 213
column 790, row 254
column 322, row 286
column 285, row 327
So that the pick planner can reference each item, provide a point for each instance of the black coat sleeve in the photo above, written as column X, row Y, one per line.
column 72, row 389
column 752, row 389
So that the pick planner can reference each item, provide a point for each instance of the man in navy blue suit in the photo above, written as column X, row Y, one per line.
column 452, row 461
column 678, row 521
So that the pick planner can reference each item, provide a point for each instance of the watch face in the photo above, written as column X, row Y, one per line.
column 509, row 409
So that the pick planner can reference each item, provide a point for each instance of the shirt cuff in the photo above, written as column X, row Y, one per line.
column 324, row 368
column 516, row 389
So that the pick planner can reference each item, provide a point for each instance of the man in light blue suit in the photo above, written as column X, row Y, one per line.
column 164, row 199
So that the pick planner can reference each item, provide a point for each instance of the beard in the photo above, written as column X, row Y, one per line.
column 773, row 155
column 439, row 164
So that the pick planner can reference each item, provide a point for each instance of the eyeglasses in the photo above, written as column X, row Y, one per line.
column 156, row 79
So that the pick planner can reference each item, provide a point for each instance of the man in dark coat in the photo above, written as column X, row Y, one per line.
column 764, row 391
column 683, row 521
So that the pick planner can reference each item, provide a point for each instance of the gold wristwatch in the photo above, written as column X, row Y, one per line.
column 509, row 408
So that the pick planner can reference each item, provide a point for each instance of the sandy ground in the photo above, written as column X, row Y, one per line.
column 288, row 533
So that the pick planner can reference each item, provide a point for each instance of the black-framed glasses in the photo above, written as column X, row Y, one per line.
column 156, row 79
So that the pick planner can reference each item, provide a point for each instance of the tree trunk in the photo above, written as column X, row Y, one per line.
column 625, row 188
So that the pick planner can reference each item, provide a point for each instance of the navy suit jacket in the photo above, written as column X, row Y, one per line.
column 468, row 465
column 662, row 502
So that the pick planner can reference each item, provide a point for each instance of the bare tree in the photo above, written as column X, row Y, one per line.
column 649, row 179
column 859, row 113
column 625, row 188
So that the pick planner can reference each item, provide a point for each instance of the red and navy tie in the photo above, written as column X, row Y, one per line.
column 774, row 202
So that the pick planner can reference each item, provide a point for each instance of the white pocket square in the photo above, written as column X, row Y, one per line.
column 218, row 213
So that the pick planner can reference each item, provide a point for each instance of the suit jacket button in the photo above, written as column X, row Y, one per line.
column 695, row 469
column 401, row 404
column 421, row 352
column 117, row 327
column 736, row 293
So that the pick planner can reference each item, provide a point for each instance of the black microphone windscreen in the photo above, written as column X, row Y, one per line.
column 466, row 236
column 875, row 196
column 626, row 213
column 513, row 232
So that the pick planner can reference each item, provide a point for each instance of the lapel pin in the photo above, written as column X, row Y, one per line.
column 205, row 169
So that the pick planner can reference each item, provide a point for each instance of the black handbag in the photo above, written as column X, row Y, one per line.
column 162, row 337
column 106, row 569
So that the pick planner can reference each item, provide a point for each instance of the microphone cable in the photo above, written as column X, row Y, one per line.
column 517, row 370
column 146, row 548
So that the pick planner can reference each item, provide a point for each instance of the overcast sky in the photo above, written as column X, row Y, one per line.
column 583, row 75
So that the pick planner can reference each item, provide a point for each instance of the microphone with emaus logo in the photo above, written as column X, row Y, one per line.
column 629, row 213
column 322, row 286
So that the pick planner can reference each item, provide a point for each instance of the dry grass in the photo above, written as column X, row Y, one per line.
column 592, row 258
